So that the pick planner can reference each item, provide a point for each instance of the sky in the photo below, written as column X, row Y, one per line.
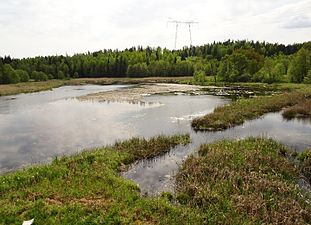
column 48, row 27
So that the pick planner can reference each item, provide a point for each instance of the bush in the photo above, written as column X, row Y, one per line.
column 199, row 76
column 39, row 76
column 23, row 75
column 9, row 75
column 60, row 75
column 307, row 79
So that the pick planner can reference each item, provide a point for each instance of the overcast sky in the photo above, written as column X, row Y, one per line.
column 45, row 27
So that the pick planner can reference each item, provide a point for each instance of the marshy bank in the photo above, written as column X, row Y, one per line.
column 55, row 123
column 30, row 87
column 238, row 112
column 250, row 181
column 300, row 110
column 229, row 182
column 86, row 188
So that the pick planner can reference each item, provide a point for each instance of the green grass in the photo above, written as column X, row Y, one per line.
column 241, row 110
column 29, row 87
column 87, row 189
column 244, row 182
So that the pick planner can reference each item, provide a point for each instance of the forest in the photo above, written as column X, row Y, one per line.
column 229, row 61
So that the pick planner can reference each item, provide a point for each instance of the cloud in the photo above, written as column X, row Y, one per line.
column 32, row 27
column 300, row 21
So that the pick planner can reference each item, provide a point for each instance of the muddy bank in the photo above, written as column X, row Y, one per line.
column 135, row 94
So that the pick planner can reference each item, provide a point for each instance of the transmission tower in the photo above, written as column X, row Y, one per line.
column 188, row 23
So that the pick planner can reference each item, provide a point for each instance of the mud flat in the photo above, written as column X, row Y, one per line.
column 135, row 94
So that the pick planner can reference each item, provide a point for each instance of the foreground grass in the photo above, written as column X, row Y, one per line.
column 244, row 109
column 87, row 189
column 29, row 87
column 244, row 182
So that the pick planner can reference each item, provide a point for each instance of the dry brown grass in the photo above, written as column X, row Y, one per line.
column 300, row 110
column 29, row 87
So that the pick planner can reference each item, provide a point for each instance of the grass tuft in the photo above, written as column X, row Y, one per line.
column 300, row 110
column 243, row 182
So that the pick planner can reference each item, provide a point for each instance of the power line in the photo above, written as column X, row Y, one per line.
column 177, row 22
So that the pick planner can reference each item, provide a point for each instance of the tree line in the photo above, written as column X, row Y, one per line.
column 230, row 61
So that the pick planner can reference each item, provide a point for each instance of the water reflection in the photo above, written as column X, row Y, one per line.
column 157, row 175
column 37, row 127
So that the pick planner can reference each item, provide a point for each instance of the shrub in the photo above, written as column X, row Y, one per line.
column 39, row 76
column 23, row 75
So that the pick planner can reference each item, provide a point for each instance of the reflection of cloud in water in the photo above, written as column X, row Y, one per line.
column 188, row 117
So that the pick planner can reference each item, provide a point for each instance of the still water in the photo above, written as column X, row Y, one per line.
column 36, row 127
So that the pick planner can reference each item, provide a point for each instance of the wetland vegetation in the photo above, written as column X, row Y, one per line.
column 230, row 182
column 249, row 181
column 243, row 109
column 87, row 189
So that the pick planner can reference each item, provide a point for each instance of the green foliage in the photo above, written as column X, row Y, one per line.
column 300, row 64
column 61, row 75
column 240, row 66
column 272, row 71
column 137, row 70
column 9, row 75
column 23, row 75
column 138, row 62
column 75, row 75
column 307, row 79
column 199, row 76
column 39, row 76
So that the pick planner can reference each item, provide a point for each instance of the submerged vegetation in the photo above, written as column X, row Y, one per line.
column 87, row 189
column 241, row 110
column 244, row 182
